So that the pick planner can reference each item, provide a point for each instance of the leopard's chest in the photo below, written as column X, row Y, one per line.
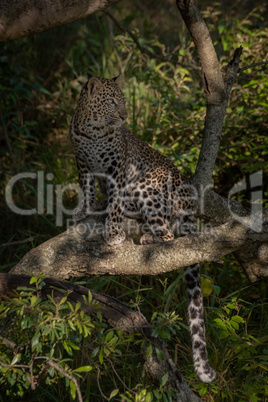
column 101, row 153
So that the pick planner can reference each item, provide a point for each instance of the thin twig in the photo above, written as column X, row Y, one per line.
column 252, row 65
column 22, row 366
column 98, row 382
column 114, row 370
column 32, row 382
column 64, row 373
column 13, row 243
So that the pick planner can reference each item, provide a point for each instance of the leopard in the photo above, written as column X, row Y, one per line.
column 140, row 183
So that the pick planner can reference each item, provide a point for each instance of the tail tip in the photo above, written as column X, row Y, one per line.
column 207, row 375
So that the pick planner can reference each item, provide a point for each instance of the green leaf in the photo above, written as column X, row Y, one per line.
column 67, row 348
column 109, row 336
column 63, row 300
column 73, row 345
column 83, row 369
column 15, row 359
column 219, row 323
column 33, row 279
column 206, row 286
column 203, row 391
column 159, row 353
column 216, row 289
column 234, row 324
column 101, row 355
column 149, row 350
column 113, row 393
column 24, row 322
column 71, row 325
column 89, row 297
column 164, row 333
column 237, row 318
column 35, row 341
column 73, row 390
column 164, row 379
column 224, row 334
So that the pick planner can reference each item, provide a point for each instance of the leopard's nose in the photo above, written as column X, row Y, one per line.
column 123, row 113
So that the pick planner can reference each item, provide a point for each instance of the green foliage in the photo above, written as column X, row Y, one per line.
column 48, row 335
column 47, row 345
column 241, row 350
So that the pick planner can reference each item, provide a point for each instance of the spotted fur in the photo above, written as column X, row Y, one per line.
column 140, row 182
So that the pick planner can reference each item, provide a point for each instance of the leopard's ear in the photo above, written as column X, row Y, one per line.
column 119, row 80
column 93, row 86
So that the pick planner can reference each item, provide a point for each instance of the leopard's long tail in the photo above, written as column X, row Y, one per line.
column 197, row 324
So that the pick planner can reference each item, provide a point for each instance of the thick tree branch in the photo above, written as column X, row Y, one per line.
column 73, row 254
column 217, row 89
column 212, row 77
column 25, row 17
column 116, row 314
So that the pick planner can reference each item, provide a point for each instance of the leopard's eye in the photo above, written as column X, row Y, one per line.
column 112, row 101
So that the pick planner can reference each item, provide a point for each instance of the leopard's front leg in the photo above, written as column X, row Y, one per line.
column 87, row 185
column 113, row 232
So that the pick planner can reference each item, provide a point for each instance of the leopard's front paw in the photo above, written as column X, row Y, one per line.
column 113, row 234
column 149, row 239
column 98, row 207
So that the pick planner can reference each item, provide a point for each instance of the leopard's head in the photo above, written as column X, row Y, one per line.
column 103, row 101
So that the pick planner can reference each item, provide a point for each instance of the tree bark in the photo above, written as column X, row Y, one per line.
column 25, row 17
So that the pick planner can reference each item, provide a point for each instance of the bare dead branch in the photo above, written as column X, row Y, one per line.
column 14, row 243
column 252, row 65
column 232, row 70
